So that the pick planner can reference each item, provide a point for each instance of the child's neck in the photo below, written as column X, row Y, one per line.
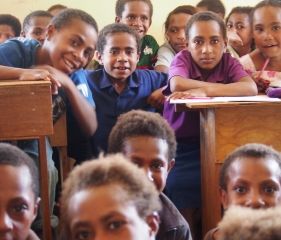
column 42, row 57
column 259, row 60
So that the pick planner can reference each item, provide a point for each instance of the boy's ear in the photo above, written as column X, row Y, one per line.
column 36, row 206
column 117, row 19
column 50, row 31
column 171, row 164
column 224, row 198
column 98, row 57
column 153, row 222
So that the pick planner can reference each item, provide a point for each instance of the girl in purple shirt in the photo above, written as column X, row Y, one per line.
column 202, row 70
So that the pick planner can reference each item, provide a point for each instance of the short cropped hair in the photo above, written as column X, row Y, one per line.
column 141, row 123
column 110, row 170
column 112, row 29
column 30, row 16
column 241, row 223
column 120, row 6
column 204, row 17
column 215, row 6
column 186, row 9
column 13, row 156
column 66, row 16
column 241, row 10
column 251, row 150
column 12, row 21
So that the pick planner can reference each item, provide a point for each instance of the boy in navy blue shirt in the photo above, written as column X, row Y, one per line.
column 119, row 87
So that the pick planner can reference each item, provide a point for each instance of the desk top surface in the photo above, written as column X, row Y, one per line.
column 4, row 83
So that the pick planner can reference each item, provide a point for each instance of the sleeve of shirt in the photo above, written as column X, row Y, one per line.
column 164, row 56
column 235, row 70
column 80, row 80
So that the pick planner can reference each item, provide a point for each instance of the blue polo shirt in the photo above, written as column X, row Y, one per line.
column 110, row 104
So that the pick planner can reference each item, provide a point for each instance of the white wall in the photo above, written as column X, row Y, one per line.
column 103, row 10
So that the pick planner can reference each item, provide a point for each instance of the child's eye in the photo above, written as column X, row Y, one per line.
column 131, row 18
column 215, row 41
column 82, row 235
column 129, row 52
column 114, row 52
column 258, row 29
column 240, row 189
column 173, row 30
column 240, row 26
column 276, row 28
column 198, row 42
column 156, row 165
column 229, row 26
column 144, row 18
column 74, row 43
column 115, row 225
column 19, row 208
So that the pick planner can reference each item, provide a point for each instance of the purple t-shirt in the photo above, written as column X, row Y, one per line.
column 186, row 124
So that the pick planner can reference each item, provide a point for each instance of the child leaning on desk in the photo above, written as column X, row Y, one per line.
column 69, row 45
column 202, row 70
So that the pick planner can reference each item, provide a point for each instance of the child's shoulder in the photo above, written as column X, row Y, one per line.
column 153, row 77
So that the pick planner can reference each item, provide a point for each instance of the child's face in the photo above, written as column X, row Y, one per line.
column 150, row 154
column 97, row 213
column 18, row 207
column 120, row 55
column 267, row 30
column 37, row 28
column 240, row 24
column 253, row 183
column 6, row 32
column 206, row 44
column 176, row 31
column 136, row 15
column 71, row 47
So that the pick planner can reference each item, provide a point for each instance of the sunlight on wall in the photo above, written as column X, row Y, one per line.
column 104, row 13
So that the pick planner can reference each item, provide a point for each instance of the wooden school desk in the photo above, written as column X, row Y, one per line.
column 223, row 127
column 26, row 113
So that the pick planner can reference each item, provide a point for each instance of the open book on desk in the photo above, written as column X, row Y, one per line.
column 258, row 98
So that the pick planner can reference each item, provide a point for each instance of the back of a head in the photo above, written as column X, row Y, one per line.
column 65, row 17
column 120, row 6
column 113, row 29
column 12, row 21
column 13, row 156
column 240, row 223
column 141, row 123
column 110, row 170
column 251, row 150
column 30, row 16
column 56, row 9
column 215, row 6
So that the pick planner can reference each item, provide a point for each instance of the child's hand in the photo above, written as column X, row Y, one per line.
column 196, row 92
column 234, row 39
column 156, row 99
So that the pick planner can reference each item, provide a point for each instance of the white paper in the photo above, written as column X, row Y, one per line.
column 258, row 98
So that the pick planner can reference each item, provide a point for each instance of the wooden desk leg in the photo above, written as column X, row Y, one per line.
column 211, row 210
column 44, row 189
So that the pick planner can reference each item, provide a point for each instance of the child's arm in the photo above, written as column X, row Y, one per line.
column 193, row 88
column 12, row 73
column 84, row 113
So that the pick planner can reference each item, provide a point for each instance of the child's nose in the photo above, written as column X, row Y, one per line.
column 5, row 223
column 207, row 48
column 181, row 35
column 255, row 200
column 122, row 57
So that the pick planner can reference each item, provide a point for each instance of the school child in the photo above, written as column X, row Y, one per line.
column 69, row 44
column 118, row 87
column 239, row 31
column 240, row 223
column 137, row 14
column 109, row 198
column 10, row 27
column 264, row 63
column 19, row 193
column 250, row 177
column 35, row 25
column 175, row 36
column 149, row 142
column 204, row 70
column 56, row 9
column 215, row 6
